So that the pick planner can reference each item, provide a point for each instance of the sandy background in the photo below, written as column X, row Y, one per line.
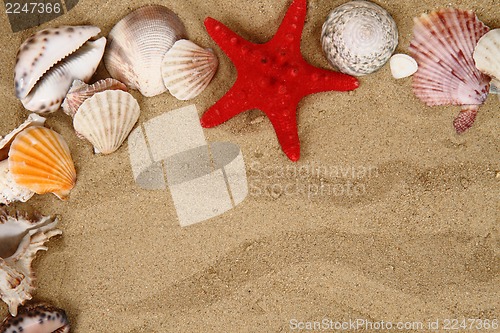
column 418, row 241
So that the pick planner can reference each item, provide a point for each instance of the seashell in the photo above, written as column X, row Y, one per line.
column 20, row 239
column 40, row 318
column 137, row 45
column 402, row 66
column 443, row 44
column 9, row 190
column 187, row 69
column 80, row 91
column 487, row 55
column 465, row 118
column 106, row 119
column 359, row 37
column 49, row 92
column 40, row 160
column 33, row 120
column 44, row 49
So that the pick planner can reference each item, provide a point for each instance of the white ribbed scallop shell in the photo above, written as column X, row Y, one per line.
column 187, row 69
column 487, row 55
column 80, row 91
column 20, row 240
column 43, row 50
column 359, row 37
column 137, row 45
column 48, row 94
column 106, row 119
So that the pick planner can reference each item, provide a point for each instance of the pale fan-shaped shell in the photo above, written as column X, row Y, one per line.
column 137, row 45
column 359, row 37
column 33, row 120
column 443, row 43
column 187, row 69
column 40, row 52
column 80, row 91
column 20, row 240
column 10, row 191
column 48, row 94
column 40, row 160
column 106, row 119
column 487, row 54
column 402, row 66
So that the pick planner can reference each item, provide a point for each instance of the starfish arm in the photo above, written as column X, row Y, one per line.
column 233, row 45
column 292, row 25
column 320, row 80
column 230, row 105
column 285, row 126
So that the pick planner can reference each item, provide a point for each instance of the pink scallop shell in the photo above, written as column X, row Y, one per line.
column 443, row 45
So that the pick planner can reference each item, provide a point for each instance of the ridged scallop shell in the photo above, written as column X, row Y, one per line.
column 48, row 94
column 40, row 160
column 487, row 55
column 44, row 49
column 20, row 239
column 402, row 66
column 106, row 119
column 80, row 91
column 187, row 69
column 137, row 45
column 39, row 318
column 359, row 37
column 33, row 120
column 10, row 191
column 443, row 44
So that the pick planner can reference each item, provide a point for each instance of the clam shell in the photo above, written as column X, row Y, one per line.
column 10, row 191
column 80, row 91
column 106, row 119
column 187, row 69
column 40, row 52
column 443, row 43
column 402, row 66
column 40, row 318
column 359, row 37
column 40, row 160
column 487, row 54
column 20, row 239
column 33, row 120
column 48, row 94
column 137, row 45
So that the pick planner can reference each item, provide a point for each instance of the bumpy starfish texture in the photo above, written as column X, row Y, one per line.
column 272, row 77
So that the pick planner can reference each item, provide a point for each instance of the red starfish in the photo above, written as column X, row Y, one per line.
column 272, row 77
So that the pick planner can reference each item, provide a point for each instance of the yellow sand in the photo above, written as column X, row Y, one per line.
column 415, row 239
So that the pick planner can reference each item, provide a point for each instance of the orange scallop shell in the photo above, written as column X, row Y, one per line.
column 40, row 160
